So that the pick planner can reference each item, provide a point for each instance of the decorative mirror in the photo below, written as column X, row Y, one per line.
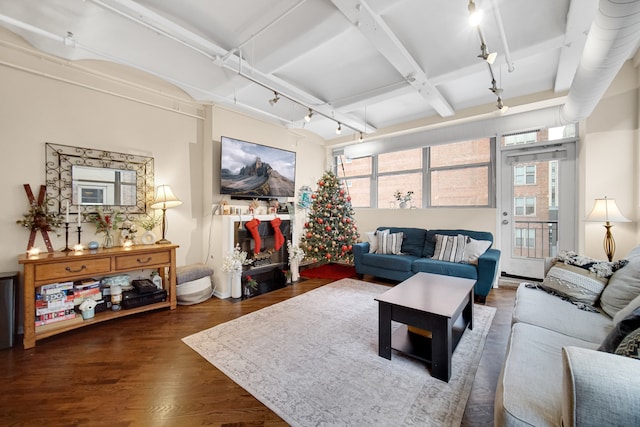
column 86, row 179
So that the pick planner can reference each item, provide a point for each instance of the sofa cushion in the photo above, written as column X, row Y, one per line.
column 635, row 303
column 536, row 307
column 630, row 345
column 428, row 265
column 623, row 287
column 449, row 248
column 429, row 243
column 372, row 238
column 598, row 267
column 389, row 243
column 576, row 283
column 474, row 249
column 389, row 262
column 530, row 388
column 412, row 241
column 620, row 331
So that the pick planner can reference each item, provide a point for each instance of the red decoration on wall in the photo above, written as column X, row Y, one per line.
column 40, row 201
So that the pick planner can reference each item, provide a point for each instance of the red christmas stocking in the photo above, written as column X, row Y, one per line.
column 279, row 238
column 252, row 226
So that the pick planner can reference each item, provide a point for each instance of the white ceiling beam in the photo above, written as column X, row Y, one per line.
column 374, row 28
column 579, row 19
column 229, row 60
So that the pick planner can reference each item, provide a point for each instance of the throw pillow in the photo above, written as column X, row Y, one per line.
column 473, row 249
column 635, row 303
column 389, row 243
column 600, row 268
column 449, row 248
column 373, row 241
column 623, row 287
column 630, row 345
column 621, row 330
column 574, row 283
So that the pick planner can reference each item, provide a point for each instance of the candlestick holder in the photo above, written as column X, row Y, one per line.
column 79, row 233
column 66, row 237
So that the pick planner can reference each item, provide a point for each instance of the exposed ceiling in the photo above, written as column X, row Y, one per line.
column 368, row 64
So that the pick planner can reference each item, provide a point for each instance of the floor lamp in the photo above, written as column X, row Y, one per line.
column 605, row 210
column 164, row 199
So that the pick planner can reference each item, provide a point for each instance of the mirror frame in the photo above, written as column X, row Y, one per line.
column 61, row 158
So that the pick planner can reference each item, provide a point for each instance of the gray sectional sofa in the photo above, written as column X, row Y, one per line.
column 554, row 374
column 418, row 246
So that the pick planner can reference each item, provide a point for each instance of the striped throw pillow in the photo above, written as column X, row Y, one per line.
column 389, row 243
column 450, row 248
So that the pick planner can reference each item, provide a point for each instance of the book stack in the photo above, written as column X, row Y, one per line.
column 86, row 289
column 54, row 304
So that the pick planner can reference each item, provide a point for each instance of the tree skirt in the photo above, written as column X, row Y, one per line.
column 329, row 271
column 313, row 360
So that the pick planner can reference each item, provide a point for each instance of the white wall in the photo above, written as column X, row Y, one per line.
column 609, row 163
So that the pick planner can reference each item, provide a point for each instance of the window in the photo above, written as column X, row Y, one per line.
column 525, row 238
column 400, row 171
column 525, row 174
column 525, row 206
column 457, row 174
column 357, row 173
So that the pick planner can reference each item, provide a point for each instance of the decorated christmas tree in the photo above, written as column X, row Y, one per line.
column 330, row 231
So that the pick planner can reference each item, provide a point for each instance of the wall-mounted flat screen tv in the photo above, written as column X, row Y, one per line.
column 249, row 170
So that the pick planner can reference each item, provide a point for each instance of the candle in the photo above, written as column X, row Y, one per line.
column 79, row 218
column 66, row 206
column 78, row 248
column 34, row 251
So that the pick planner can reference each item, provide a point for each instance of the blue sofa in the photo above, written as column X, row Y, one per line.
column 418, row 246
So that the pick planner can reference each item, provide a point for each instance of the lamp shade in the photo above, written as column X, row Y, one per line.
column 606, row 210
column 165, row 198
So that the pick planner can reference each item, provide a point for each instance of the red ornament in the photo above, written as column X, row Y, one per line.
column 348, row 198
column 320, row 220
column 321, row 183
column 344, row 248
column 328, row 256
column 306, row 224
column 349, row 247
column 328, row 228
column 313, row 196
column 309, row 235
column 348, row 220
column 328, row 205
column 341, row 192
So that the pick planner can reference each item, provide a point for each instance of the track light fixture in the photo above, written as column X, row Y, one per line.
column 275, row 99
column 503, row 108
column 361, row 137
column 484, row 54
column 307, row 118
column 475, row 15
column 339, row 129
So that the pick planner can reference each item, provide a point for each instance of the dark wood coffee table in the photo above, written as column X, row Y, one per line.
column 441, row 305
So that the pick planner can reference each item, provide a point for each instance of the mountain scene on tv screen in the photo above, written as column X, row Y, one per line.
column 256, row 179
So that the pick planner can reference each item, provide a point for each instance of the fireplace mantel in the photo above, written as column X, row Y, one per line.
column 222, row 243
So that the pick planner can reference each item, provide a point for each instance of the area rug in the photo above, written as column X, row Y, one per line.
column 313, row 360
column 329, row 271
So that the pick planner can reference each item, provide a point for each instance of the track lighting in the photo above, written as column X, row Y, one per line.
column 475, row 15
column 307, row 118
column 361, row 137
column 275, row 99
column 339, row 130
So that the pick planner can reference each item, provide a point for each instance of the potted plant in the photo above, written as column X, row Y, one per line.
column 403, row 198
column 148, row 223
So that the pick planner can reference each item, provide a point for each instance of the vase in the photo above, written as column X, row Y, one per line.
column 294, row 267
column 148, row 238
column 403, row 205
column 108, row 240
column 236, row 284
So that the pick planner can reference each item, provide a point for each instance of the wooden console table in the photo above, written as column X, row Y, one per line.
column 54, row 267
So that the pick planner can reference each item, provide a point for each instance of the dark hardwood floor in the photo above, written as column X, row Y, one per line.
column 136, row 371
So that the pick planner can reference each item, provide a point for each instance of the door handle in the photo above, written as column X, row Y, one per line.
column 505, row 221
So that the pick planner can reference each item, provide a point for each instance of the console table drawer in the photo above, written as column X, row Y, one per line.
column 84, row 268
column 142, row 260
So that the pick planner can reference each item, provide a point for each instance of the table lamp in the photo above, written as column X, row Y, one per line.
column 605, row 210
column 164, row 199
